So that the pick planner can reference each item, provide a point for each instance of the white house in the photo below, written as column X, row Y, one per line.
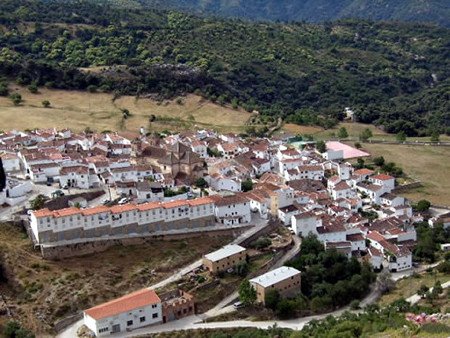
column 342, row 190
column 200, row 148
column 332, row 232
column 375, row 258
column 386, row 181
column 135, row 310
column 285, row 214
column 373, row 191
column 75, row 177
column 11, row 162
column 259, row 202
column 40, row 173
column 305, row 223
column 219, row 182
column 231, row 210
column 392, row 200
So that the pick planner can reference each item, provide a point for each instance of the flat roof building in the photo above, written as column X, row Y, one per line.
column 224, row 258
column 286, row 280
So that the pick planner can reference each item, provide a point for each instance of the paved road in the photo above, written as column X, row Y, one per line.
column 223, row 307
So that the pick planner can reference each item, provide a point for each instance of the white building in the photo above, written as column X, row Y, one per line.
column 231, row 210
column 75, row 177
column 219, row 182
column 386, row 181
column 285, row 214
column 138, row 309
column 77, row 224
column 305, row 223
column 11, row 162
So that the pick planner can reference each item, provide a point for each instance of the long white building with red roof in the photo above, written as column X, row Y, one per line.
column 138, row 309
column 73, row 224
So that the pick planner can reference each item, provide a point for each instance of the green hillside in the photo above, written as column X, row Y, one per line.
column 394, row 75
column 437, row 11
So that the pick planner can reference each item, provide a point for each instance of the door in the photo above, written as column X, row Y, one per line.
column 115, row 328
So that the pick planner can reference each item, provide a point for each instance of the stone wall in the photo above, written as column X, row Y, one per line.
column 86, row 248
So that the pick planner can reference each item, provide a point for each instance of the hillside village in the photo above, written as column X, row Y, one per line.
column 198, row 182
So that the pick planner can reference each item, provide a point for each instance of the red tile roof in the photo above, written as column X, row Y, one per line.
column 382, row 177
column 364, row 171
column 117, row 209
column 135, row 300
column 96, row 210
column 175, row 204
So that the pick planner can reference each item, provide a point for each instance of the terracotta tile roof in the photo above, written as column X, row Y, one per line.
column 66, row 212
column 43, row 213
column 200, row 201
column 96, row 210
column 175, row 204
column 149, row 206
column 117, row 209
column 375, row 236
column 382, row 177
column 362, row 172
column 227, row 200
column 341, row 186
column 135, row 300
column 374, row 252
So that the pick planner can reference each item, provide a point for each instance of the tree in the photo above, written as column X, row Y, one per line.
column 13, row 329
column 434, row 137
column 241, row 269
column 401, row 136
column 247, row 185
column 342, row 133
column 422, row 206
column 379, row 161
column 38, row 202
column 201, row 183
column 3, row 89
column 437, row 289
column 285, row 308
column 272, row 299
column 365, row 135
column 358, row 145
column 46, row 104
column 321, row 147
column 385, row 283
column 247, row 293
column 33, row 88
column 422, row 290
column 16, row 98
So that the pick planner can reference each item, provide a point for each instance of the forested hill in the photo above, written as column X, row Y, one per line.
column 437, row 11
column 391, row 74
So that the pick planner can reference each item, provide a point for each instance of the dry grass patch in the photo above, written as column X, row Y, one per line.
column 429, row 164
column 409, row 286
column 42, row 292
column 81, row 109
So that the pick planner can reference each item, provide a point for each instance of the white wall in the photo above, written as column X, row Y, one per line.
column 123, row 319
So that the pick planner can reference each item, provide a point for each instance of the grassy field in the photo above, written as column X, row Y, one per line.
column 353, row 130
column 430, row 165
column 42, row 292
column 78, row 110
column 409, row 286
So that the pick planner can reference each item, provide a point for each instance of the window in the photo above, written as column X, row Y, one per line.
column 104, row 329
column 129, row 322
column 154, row 306
column 155, row 315
column 142, row 319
